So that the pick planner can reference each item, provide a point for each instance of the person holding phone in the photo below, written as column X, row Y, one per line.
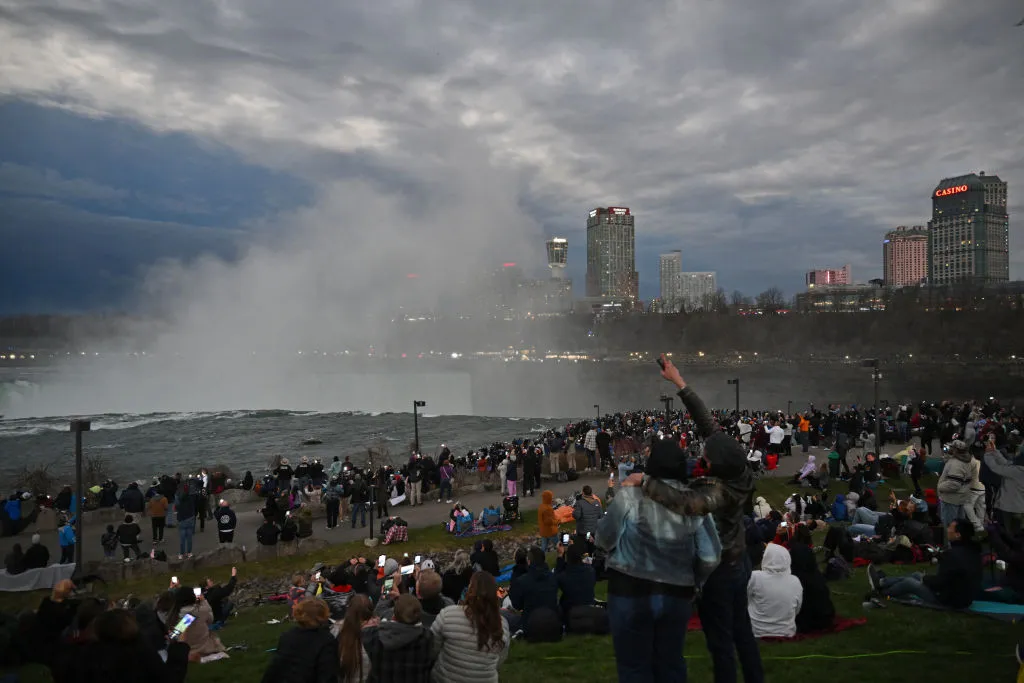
column 308, row 653
column 200, row 639
column 576, row 580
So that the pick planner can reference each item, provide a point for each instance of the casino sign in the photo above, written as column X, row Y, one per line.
column 957, row 189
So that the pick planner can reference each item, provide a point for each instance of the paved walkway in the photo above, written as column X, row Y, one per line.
column 249, row 517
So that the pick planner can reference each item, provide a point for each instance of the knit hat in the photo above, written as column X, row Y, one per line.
column 391, row 566
column 667, row 460
column 427, row 564
column 725, row 455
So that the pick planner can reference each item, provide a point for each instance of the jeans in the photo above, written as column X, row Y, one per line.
column 648, row 633
column 359, row 509
column 908, row 586
column 158, row 528
column 805, row 441
column 861, row 529
column 332, row 507
column 553, row 462
column 548, row 542
column 225, row 537
column 865, row 516
column 186, row 530
column 950, row 513
column 67, row 554
column 129, row 548
column 726, row 623
column 975, row 510
column 169, row 517
column 591, row 460
column 446, row 486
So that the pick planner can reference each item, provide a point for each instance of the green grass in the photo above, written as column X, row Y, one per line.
column 898, row 643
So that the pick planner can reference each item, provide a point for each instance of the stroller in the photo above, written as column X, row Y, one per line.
column 511, row 510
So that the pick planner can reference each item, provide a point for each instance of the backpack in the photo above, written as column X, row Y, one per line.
column 839, row 509
column 562, row 477
column 491, row 516
column 571, row 475
column 837, row 569
column 884, row 527
column 109, row 542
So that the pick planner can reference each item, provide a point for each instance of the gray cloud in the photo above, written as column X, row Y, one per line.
column 39, row 182
column 804, row 129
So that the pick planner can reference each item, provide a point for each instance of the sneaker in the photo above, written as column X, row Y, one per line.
column 181, row 557
column 875, row 577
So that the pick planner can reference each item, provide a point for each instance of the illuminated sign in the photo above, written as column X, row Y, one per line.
column 508, row 265
column 593, row 213
column 412, row 276
column 619, row 210
column 951, row 190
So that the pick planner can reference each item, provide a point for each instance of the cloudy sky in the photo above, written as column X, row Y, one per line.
column 761, row 138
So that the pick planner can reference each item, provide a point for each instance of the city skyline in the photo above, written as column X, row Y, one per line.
column 255, row 156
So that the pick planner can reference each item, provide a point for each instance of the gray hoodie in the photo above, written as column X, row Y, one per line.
column 774, row 595
column 954, row 487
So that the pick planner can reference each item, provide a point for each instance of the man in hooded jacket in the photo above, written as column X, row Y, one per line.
column 729, row 489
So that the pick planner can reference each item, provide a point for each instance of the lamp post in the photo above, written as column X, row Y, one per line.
column 876, row 377
column 789, row 408
column 597, row 409
column 77, row 427
column 736, row 382
column 667, row 400
column 416, row 423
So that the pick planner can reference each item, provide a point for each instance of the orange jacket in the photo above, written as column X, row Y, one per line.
column 805, row 424
column 546, row 516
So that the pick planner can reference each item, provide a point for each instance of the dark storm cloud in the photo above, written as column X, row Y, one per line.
column 746, row 133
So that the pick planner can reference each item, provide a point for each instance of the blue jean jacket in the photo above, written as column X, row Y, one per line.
column 646, row 540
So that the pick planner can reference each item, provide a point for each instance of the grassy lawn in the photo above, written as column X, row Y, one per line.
column 898, row 643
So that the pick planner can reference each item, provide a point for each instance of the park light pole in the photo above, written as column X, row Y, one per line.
column 667, row 400
column 736, row 382
column 597, row 409
column 416, row 423
column 77, row 427
column 876, row 377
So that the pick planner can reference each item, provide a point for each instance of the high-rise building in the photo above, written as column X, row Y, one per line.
column 695, row 289
column 670, row 268
column 969, row 233
column 828, row 276
column 558, row 256
column 611, row 254
column 905, row 256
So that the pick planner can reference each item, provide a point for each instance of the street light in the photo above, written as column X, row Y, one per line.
column 736, row 381
column 789, row 408
column 667, row 400
column 598, row 409
column 416, row 423
column 77, row 427
column 876, row 376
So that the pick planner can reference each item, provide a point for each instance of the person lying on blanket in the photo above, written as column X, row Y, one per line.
column 955, row 585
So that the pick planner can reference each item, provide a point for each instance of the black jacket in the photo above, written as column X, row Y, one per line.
column 268, row 533
column 226, row 519
column 126, row 662
column 289, row 531
column 399, row 653
column 453, row 585
column 817, row 611
column 132, row 500
column 304, row 656
column 37, row 556
column 537, row 588
column 216, row 596
column 958, row 581
column 128, row 534
column 576, row 582
column 488, row 561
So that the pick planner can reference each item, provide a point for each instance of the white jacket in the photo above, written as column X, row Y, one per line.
column 761, row 508
column 459, row 660
column 774, row 595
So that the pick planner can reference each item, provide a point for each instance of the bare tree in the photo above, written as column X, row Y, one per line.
column 771, row 300
column 738, row 299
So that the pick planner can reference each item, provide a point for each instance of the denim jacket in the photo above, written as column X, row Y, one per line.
column 646, row 540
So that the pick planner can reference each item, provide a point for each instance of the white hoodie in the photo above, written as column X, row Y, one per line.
column 761, row 508
column 774, row 595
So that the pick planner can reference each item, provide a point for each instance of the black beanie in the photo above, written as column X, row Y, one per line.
column 667, row 460
column 725, row 455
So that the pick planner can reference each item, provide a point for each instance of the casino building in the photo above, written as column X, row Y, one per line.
column 969, row 233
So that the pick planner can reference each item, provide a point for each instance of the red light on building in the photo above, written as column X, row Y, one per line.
column 412, row 276
column 508, row 265
column 951, row 190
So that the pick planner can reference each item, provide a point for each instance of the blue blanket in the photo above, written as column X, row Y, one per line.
column 1004, row 611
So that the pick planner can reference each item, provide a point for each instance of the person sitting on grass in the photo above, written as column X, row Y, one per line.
column 428, row 590
column 1009, row 549
column 217, row 597
column 307, row 653
column 457, row 576
column 471, row 640
column 535, row 596
column 956, row 584
column 400, row 649
column 484, row 558
column 355, row 663
column 774, row 595
column 816, row 611
column 575, row 580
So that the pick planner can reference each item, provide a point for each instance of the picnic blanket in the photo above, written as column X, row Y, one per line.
column 477, row 530
column 1003, row 611
column 563, row 514
column 839, row 625
column 35, row 579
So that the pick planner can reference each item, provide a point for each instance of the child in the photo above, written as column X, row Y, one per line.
column 66, row 538
column 109, row 542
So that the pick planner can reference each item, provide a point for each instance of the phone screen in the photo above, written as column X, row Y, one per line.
column 388, row 585
column 565, row 539
column 408, row 569
column 318, row 576
column 179, row 628
column 197, row 591
column 589, row 535
column 418, row 558
column 381, row 560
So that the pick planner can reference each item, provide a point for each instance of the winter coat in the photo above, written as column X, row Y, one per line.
column 817, row 611
column 304, row 656
column 774, row 595
column 157, row 506
column 198, row 636
column 954, row 487
column 957, row 583
column 399, row 653
column 587, row 512
column 536, row 589
column 576, row 583
column 226, row 519
column 761, row 508
column 126, row 662
column 1010, row 497
column 132, row 500
column 458, row 658
column 546, row 515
